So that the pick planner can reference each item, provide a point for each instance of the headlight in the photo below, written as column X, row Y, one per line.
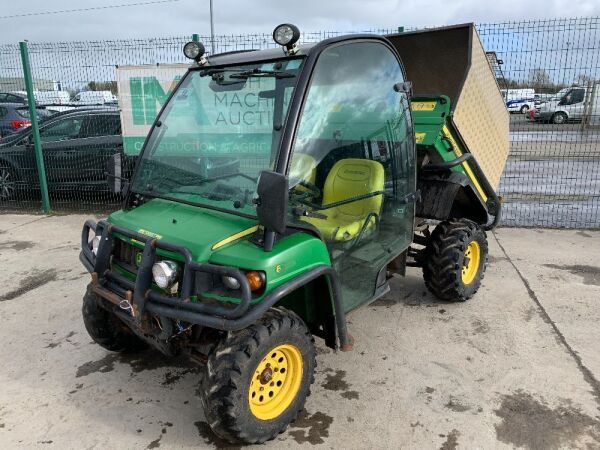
column 230, row 282
column 95, row 245
column 286, row 34
column 256, row 280
column 165, row 273
column 193, row 50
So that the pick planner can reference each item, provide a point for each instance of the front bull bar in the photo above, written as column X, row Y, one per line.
column 141, row 298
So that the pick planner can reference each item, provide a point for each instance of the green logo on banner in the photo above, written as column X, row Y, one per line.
column 147, row 97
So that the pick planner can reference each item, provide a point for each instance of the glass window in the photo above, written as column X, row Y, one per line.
column 3, row 112
column 3, row 97
column 62, row 130
column 42, row 113
column 219, row 131
column 578, row 95
column 103, row 125
column 353, row 163
column 15, row 99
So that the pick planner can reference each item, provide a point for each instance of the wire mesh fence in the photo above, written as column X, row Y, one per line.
column 548, row 71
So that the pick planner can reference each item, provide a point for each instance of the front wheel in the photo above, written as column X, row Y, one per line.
column 455, row 260
column 106, row 329
column 257, row 379
column 524, row 109
column 559, row 118
column 8, row 183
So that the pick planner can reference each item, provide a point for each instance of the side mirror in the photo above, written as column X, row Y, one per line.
column 114, row 170
column 272, row 202
column 404, row 88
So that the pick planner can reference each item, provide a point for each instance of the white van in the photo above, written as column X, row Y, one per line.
column 95, row 98
column 519, row 100
column 571, row 106
column 44, row 98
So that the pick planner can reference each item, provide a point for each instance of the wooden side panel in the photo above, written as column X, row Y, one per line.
column 480, row 115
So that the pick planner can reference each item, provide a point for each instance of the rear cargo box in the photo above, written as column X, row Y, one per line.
column 452, row 61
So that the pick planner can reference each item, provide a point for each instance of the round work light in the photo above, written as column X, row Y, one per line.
column 286, row 35
column 193, row 50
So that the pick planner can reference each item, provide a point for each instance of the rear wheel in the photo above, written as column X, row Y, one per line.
column 106, row 329
column 8, row 183
column 258, row 378
column 455, row 260
column 559, row 118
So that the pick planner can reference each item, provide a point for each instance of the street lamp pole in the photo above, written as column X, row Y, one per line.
column 212, row 29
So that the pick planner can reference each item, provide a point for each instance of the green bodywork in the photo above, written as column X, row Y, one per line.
column 432, row 127
column 199, row 229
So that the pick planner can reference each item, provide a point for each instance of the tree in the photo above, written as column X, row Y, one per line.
column 102, row 86
column 541, row 81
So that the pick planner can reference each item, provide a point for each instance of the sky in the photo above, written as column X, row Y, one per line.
column 183, row 17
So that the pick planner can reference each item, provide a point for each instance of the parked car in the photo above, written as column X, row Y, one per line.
column 519, row 100
column 570, row 107
column 14, row 116
column 95, row 98
column 46, row 97
column 11, row 97
column 76, row 145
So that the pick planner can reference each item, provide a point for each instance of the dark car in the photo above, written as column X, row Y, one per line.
column 76, row 145
column 14, row 116
column 9, row 97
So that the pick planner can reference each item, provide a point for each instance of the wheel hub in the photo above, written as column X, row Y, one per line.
column 275, row 382
column 471, row 262
column 266, row 375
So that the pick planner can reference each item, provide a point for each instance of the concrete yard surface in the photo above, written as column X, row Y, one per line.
column 516, row 366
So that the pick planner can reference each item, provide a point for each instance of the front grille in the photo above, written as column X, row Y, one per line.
column 127, row 255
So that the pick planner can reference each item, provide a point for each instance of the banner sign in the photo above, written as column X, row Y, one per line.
column 143, row 90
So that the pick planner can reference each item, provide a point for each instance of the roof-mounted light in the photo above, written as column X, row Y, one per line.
column 287, row 35
column 194, row 50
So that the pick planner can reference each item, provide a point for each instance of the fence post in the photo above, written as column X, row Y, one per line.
column 39, row 157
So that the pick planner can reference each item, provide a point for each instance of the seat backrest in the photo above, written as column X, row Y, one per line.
column 303, row 168
column 353, row 177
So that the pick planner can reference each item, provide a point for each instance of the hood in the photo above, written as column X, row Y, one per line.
column 199, row 229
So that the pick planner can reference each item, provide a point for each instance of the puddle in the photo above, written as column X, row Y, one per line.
column 16, row 245
column 451, row 441
column 33, row 281
column 456, row 405
column 312, row 429
column 147, row 360
column 531, row 423
column 590, row 274
column 335, row 381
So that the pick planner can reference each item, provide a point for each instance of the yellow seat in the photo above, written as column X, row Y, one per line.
column 350, row 178
column 303, row 168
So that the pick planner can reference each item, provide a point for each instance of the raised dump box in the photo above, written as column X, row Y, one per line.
column 457, row 107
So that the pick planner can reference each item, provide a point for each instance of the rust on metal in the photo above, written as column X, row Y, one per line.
column 110, row 296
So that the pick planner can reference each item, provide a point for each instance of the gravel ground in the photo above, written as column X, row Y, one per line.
column 517, row 366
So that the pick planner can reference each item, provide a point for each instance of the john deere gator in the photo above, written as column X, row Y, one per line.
column 278, row 190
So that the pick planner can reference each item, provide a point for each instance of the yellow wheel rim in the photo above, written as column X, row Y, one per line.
column 471, row 262
column 275, row 382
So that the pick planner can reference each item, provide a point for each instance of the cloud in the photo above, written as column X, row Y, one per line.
column 251, row 16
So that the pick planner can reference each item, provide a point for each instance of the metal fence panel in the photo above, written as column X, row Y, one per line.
column 552, row 178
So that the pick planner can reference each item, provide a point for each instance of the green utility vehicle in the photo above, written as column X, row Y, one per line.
column 277, row 191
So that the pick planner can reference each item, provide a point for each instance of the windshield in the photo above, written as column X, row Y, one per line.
column 218, row 132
